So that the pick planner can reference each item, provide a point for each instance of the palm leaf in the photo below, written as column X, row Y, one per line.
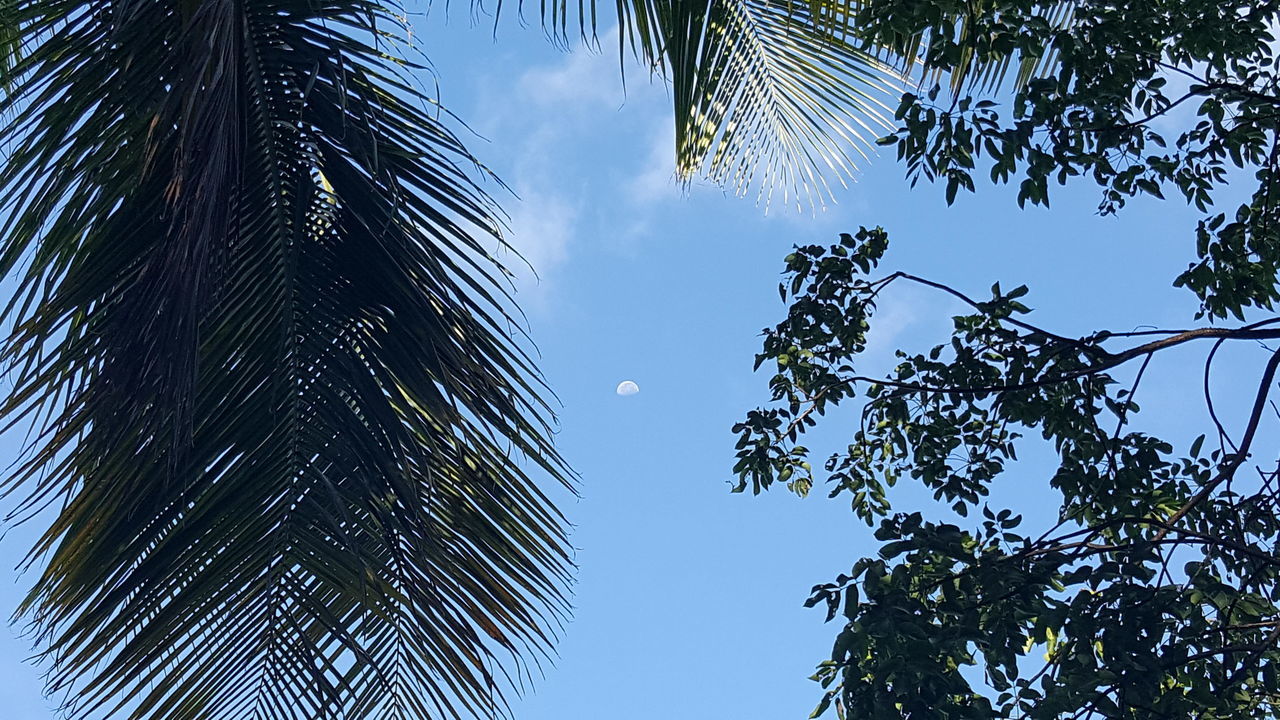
column 293, row 454
column 769, row 94
column 765, row 93
column 10, row 35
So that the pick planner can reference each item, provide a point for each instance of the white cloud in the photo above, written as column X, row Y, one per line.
column 542, row 228
column 905, row 312
column 893, row 316
column 585, row 77
column 544, row 219
column 656, row 179
column 554, row 119
column 910, row 318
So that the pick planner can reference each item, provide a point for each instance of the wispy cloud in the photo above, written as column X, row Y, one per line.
column 542, row 227
column 584, row 78
column 535, row 117
column 585, row 157
column 560, row 123
column 656, row 178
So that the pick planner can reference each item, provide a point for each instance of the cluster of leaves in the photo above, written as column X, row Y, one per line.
column 1154, row 591
column 1113, row 107
column 1154, row 594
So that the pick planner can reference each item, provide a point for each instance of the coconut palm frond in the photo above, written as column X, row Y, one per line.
column 10, row 34
column 769, row 94
column 291, row 455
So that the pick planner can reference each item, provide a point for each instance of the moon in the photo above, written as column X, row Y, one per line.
column 626, row 387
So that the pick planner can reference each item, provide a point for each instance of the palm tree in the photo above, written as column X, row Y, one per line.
column 293, row 453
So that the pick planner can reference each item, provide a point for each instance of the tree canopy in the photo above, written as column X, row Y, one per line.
column 1154, row 589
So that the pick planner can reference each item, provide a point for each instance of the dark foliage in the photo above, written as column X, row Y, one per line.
column 268, row 362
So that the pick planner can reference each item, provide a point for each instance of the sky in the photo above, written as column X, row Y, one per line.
column 688, row 602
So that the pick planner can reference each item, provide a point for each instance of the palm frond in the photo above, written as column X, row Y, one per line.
column 295, row 455
column 770, row 94
column 10, row 34
column 766, row 94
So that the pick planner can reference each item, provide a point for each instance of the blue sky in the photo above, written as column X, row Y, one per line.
column 689, row 598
